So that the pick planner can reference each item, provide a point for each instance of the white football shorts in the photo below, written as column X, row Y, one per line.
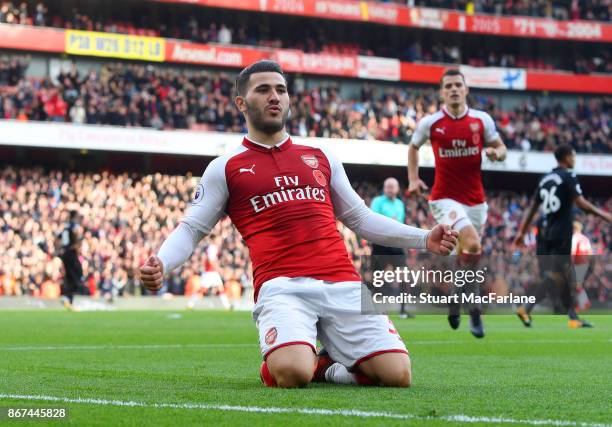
column 301, row 310
column 458, row 215
column 211, row 279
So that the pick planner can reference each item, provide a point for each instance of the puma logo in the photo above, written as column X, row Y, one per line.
column 440, row 130
column 248, row 170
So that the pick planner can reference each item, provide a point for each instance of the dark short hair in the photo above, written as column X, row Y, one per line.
column 452, row 72
column 562, row 151
column 263, row 66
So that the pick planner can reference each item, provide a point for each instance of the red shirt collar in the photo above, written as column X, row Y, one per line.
column 281, row 146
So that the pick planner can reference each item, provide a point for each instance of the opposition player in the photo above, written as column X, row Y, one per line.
column 284, row 199
column 555, row 196
column 458, row 135
column 390, row 205
column 67, row 249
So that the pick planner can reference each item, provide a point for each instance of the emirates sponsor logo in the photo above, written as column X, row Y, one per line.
column 460, row 149
column 288, row 191
column 458, row 152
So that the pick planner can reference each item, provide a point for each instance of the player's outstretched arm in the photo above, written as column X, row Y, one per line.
column 206, row 209
column 442, row 239
column 175, row 250
column 385, row 231
column 379, row 229
column 588, row 207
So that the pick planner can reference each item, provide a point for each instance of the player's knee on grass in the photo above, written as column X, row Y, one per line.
column 289, row 375
column 389, row 369
column 292, row 366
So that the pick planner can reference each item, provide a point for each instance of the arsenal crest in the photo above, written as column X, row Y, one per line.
column 310, row 160
column 271, row 336
column 475, row 127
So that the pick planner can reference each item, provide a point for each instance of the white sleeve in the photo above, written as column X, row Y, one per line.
column 490, row 132
column 421, row 133
column 179, row 246
column 207, row 207
column 209, row 199
column 353, row 212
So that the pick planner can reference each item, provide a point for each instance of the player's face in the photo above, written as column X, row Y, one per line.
column 453, row 91
column 266, row 103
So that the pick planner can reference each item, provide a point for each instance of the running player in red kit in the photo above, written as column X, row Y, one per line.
column 284, row 199
column 458, row 135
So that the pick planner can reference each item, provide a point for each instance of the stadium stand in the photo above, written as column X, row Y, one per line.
column 595, row 10
column 203, row 27
column 37, row 13
column 127, row 216
column 173, row 98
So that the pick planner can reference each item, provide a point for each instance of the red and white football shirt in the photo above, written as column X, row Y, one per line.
column 280, row 200
column 457, row 144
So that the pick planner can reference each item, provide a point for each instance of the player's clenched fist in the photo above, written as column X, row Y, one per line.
column 152, row 273
column 442, row 240
column 492, row 154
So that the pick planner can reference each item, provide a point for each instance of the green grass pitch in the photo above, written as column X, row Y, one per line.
column 195, row 367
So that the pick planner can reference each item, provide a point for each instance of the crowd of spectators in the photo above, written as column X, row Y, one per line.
column 391, row 115
column 166, row 98
column 13, row 69
column 37, row 12
column 23, row 13
column 591, row 10
column 313, row 38
column 127, row 216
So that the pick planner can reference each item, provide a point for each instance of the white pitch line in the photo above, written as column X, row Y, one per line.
column 309, row 411
column 493, row 341
column 230, row 345
column 121, row 347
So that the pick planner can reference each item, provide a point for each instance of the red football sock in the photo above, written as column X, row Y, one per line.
column 266, row 376
column 363, row 379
